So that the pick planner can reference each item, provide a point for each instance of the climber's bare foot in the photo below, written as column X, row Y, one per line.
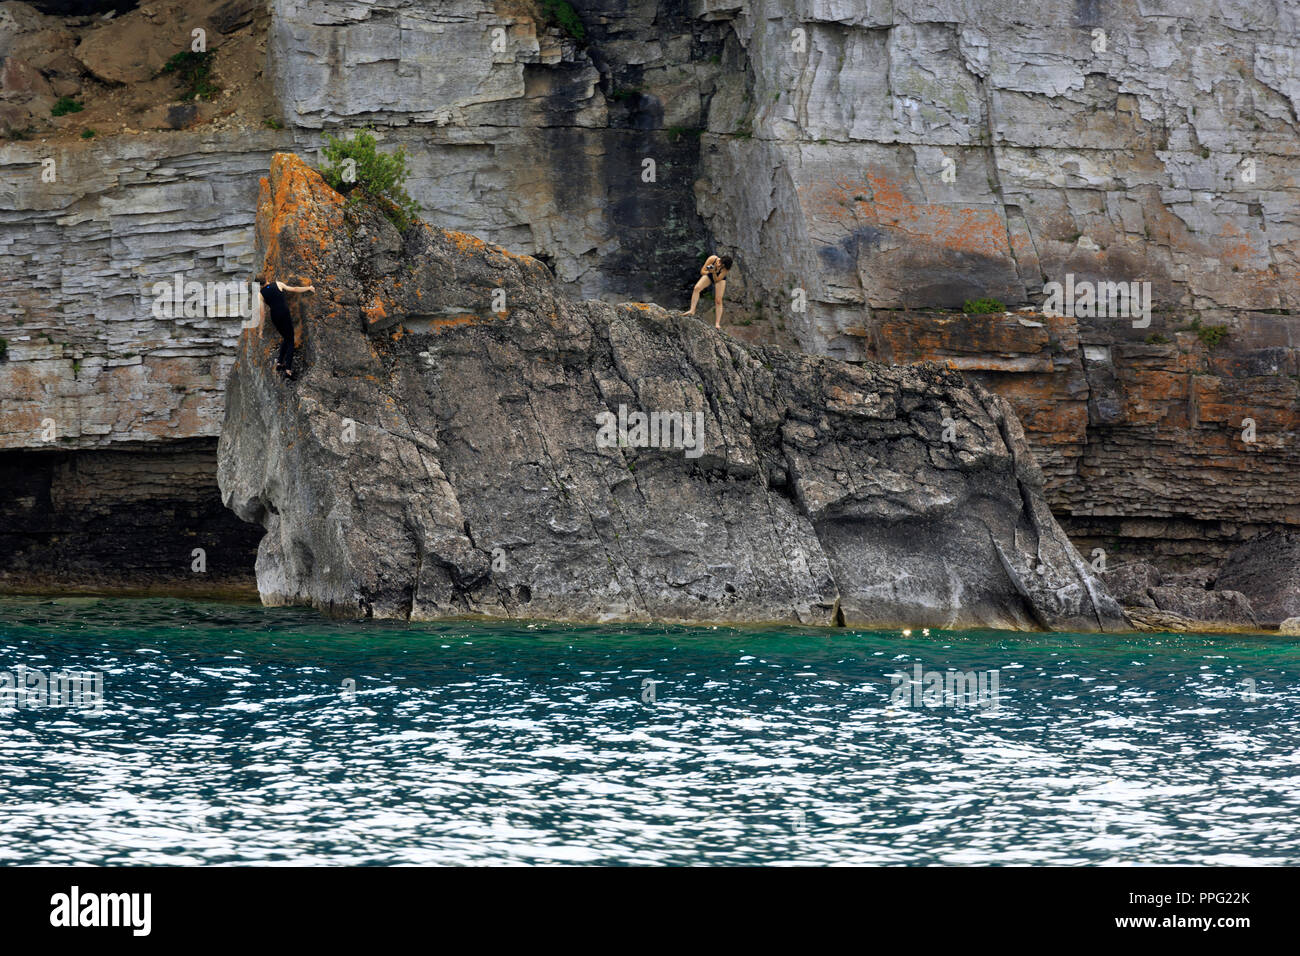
column 718, row 326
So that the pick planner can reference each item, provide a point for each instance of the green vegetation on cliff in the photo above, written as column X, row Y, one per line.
column 562, row 14
column 195, row 71
column 359, row 171
column 65, row 105
column 983, row 306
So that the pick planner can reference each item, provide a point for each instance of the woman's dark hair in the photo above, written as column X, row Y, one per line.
column 726, row 262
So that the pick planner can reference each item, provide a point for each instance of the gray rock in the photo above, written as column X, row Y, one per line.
column 440, row 455
column 847, row 157
column 1155, row 620
column 1201, row 580
column 1229, row 608
column 1290, row 627
column 88, row 346
column 1267, row 570
column 233, row 14
column 1130, row 584
column 827, row 130
column 823, row 170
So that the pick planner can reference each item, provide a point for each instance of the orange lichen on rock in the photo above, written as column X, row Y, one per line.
column 303, row 209
column 467, row 244
column 1238, row 251
column 375, row 311
column 980, row 231
column 441, row 325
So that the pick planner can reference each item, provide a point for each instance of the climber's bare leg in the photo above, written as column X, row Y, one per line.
column 695, row 295
column 719, row 287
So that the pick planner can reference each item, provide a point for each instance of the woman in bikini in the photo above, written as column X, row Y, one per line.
column 714, row 273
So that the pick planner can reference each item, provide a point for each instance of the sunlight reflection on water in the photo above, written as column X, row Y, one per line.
column 229, row 734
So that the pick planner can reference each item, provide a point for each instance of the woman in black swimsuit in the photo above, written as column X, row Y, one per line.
column 273, row 296
column 714, row 273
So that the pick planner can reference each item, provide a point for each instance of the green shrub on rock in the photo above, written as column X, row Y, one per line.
column 565, row 17
column 195, row 71
column 983, row 306
column 357, row 169
column 65, row 105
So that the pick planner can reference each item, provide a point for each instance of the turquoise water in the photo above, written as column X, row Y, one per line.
column 229, row 734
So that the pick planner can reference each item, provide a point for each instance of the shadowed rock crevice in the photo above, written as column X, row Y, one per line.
column 441, row 454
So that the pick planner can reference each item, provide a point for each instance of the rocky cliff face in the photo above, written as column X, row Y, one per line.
column 455, row 444
column 90, row 347
column 531, row 134
column 864, row 161
column 90, row 227
column 1117, row 141
column 869, row 155
column 1156, row 445
column 868, row 160
column 111, row 398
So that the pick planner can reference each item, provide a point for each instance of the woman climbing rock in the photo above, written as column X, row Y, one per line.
column 714, row 272
column 273, row 296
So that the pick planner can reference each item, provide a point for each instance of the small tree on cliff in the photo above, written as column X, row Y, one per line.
column 359, row 171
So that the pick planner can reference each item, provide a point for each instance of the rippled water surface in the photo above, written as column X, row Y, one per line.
column 235, row 734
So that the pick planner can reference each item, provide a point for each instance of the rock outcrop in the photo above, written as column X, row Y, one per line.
column 1229, row 608
column 1156, row 445
column 454, row 446
column 1267, row 570
column 1131, row 584
column 1154, row 604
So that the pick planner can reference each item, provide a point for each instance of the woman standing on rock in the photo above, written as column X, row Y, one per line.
column 273, row 296
column 713, row 273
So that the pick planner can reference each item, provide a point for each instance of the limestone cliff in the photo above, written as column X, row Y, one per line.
column 876, row 155
column 906, row 153
column 1157, row 443
column 441, row 454
column 875, row 160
